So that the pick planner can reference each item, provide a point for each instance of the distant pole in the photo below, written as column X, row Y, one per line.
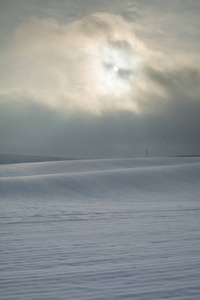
column 146, row 153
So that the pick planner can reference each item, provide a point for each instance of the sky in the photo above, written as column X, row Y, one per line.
column 100, row 79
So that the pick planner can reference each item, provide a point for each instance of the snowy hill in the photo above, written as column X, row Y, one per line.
column 143, row 178
column 7, row 158
column 101, row 229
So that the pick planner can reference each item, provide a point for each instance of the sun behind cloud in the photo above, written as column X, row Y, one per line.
column 94, row 64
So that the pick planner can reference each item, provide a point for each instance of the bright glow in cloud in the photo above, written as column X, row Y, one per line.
column 93, row 64
column 118, row 69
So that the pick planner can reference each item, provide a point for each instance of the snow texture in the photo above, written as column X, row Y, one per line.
column 100, row 229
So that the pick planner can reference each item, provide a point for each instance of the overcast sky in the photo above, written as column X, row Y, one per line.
column 100, row 79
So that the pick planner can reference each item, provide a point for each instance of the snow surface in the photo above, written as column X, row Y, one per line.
column 101, row 229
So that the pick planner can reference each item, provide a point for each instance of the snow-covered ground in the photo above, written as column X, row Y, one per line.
column 100, row 229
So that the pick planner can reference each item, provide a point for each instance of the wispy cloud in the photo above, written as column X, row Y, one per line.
column 95, row 64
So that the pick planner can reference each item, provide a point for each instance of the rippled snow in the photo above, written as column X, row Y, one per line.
column 94, row 247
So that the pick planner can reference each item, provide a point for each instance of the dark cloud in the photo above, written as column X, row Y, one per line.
column 180, row 81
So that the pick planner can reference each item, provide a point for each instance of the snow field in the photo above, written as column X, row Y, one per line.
column 101, row 229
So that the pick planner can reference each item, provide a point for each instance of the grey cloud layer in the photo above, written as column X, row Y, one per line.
column 29, row 127
column 50, row 103
column 167, row 26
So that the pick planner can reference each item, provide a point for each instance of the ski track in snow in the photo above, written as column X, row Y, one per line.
column 100, row 229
